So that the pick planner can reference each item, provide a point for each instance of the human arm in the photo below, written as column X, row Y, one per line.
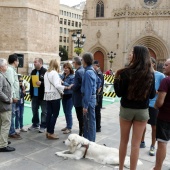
column 11, row 78
column 160, row 100
column 3, row 96
column 120, row 84
column 57, row 82
column 88, row 84
column 153, row 91
column 162, row 91
column 77, row 82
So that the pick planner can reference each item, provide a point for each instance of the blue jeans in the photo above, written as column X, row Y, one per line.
column 36, row 103
column 90, row 121
column 53, row 109
column 19, row 116
column 12, row 127
column 67, row 107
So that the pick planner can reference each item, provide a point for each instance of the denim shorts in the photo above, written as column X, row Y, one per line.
column 162, row 131
column 134, row 114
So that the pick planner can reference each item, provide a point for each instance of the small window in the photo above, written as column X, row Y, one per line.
column 64, row 39
column 79, row 24
column 65, row 22
column 69, row 22
column 61, row 20
column 65, row 31
column 72, row 24
column 61, row 30
column 60, row 38
column 76, row 24
column 100, row 9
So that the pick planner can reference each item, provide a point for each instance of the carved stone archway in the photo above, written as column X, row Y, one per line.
column 156, row 45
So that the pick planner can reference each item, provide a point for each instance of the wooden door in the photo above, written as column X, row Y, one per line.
column 98, row 55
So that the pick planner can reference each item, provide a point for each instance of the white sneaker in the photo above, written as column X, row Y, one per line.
column 33, row 128
column 17, row 131
column 23, row 130
column 41, row 130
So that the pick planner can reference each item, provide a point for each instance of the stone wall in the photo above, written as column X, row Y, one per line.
column 29, row 27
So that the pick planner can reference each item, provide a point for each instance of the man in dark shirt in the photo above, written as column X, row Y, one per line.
column 163, row 119
column 99, row 96
column 37, row 95
column 77, row 96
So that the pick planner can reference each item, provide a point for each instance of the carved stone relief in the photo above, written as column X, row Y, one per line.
column 149, row 26
column 98, row 34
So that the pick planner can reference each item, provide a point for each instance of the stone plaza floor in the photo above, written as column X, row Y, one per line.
column 35, row 152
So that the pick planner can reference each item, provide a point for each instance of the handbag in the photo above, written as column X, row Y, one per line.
column 61, row 94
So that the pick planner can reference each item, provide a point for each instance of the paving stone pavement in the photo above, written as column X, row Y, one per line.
column 35, row 152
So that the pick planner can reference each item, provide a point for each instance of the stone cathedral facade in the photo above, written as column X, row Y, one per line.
column 118, row 25
column 30, row 28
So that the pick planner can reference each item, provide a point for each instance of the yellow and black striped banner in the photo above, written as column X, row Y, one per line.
column 27, row 97
column 109, row 94
column 108, row 90
column 26, row 78
column 109, row 78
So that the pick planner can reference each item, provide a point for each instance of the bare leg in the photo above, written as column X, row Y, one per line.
column 124, row 138
column 160, row 155
column 153, row 135
column 143, row 136
column 138, row 129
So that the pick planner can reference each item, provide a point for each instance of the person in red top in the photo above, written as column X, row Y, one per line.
column 163, row 119
column 109, row 72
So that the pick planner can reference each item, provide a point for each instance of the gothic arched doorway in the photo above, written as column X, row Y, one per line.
column 157, row 48
column 98, row 55
column 152, row 53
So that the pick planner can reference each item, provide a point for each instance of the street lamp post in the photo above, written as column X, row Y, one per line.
column 111, row 56
column 60, row 53
column 79, row 41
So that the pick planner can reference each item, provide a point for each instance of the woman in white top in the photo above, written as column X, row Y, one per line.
column 53, row 91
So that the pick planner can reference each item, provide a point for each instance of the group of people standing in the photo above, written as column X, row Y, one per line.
column 145, row 97
column 78, row 90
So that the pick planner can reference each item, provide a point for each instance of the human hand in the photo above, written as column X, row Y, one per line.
column 84, row 111
column 38, row 83
column 14, row 100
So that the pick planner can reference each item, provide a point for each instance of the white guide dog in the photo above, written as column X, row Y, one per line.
column 79, row 147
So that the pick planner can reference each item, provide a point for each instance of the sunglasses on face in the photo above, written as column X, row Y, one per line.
column 20, row 81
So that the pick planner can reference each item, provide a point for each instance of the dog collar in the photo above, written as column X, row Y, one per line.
column 87, row 147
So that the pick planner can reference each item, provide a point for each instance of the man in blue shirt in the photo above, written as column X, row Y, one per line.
column 153, row 113
column 88, row 89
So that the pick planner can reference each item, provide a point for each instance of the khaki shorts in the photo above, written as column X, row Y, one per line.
column 134, row 114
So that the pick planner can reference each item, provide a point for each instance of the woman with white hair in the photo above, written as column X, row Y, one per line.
column 5, row 108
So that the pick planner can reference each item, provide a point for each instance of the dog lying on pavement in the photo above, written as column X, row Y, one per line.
column 79, row 147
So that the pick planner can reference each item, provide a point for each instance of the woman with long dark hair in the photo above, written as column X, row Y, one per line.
column 135, row 84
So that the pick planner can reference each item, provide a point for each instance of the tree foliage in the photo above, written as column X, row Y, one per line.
column 63, row 54
column 78, row 51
